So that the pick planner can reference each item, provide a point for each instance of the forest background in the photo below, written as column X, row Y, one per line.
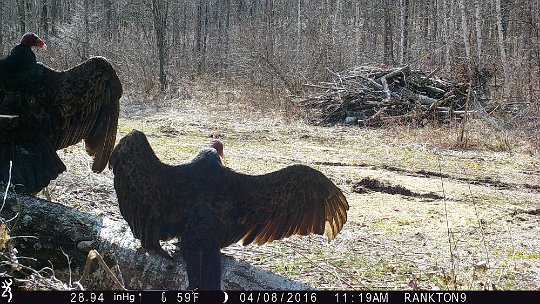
column 266, row 49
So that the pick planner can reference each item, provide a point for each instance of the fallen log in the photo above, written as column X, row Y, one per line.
column 425, row 79
column 45, row 231
column 403, row 70
column 434, row 90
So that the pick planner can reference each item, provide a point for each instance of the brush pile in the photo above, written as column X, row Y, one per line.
column 370, row 96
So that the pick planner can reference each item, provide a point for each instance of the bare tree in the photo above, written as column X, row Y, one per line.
column 447, row 30
column 465, row 33
column 479, row 38
column 530, row 47
column 86, row 28
column 159, row 12
column 1, row 25
column 224, row 11
column 502, row 50
column 108, row 10
column 239, row 38
column 54, row 15
column 388, row 41
column 44, row 18
column 298, row 28
column 201, row 36
column 404, row 56
column 21, row 10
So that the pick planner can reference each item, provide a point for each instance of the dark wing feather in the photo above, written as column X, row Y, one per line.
column 61, row 108
column 145, row 188
column 155, row 199
column 85, row 99
column 295, row 200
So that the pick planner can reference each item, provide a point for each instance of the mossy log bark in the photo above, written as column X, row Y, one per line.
column 45, row 230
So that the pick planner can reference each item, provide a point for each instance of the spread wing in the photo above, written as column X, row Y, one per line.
column 156, row 199
column 56, row 109
column 145, row 189
column 295, row 200
column 85, row 103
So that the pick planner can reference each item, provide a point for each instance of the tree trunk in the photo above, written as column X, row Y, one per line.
column 55, row 12
column 478, row 28
column 223, row 35
column 1, row 27
column 21, row 12
column 108, row 7
column 270, row 35
column 388, row 41
column 465, row 32
column 184, row 28
column 298, row 30
column 434, row 12
column 446, row 33
column 530, row 43
column 358, row 29
column 404, row 58
column 502, row 51
column 159, row 13
column 201, row 34
column 86, row 29
column 61, row 229
column 45, row 18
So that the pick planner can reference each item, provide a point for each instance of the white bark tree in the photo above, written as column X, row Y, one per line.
column 465, row 34
column 478, row 29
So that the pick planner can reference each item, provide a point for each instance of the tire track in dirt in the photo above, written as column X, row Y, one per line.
column 371, row 184
column 482, row 181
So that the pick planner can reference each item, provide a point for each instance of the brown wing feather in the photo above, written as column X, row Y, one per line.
column 58, row 109
column 136, row 179
column 146, row 193
column 86, row 99
column 294, row 200
column 155, row 199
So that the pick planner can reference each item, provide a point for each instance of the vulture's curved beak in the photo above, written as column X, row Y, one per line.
column 41, row 44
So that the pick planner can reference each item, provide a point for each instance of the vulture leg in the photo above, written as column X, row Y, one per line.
column 200, row 249
column 150, row 242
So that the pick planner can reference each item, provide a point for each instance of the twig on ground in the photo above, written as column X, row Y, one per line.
column 93, row 254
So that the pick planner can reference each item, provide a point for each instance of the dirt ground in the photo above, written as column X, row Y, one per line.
column 421, row 216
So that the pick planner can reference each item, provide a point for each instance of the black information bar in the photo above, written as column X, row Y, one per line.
column 233, row 297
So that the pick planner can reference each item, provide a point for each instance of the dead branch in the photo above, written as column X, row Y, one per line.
column 362, row 92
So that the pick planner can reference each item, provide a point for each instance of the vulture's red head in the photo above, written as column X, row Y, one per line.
column 31, row 39
column 218, row 145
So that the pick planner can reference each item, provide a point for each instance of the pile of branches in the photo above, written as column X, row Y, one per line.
column 370, row 96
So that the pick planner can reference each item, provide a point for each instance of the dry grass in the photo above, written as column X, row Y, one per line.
column 390, row 241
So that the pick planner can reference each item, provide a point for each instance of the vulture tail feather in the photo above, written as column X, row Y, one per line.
column 35, row 164
column 200, row 249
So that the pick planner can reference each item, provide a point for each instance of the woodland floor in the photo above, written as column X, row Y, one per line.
column 470, row 221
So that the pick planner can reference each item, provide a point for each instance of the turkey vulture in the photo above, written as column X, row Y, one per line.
column 55, row 109
column 21, row 56
column 210, row 206
column 13, row 67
